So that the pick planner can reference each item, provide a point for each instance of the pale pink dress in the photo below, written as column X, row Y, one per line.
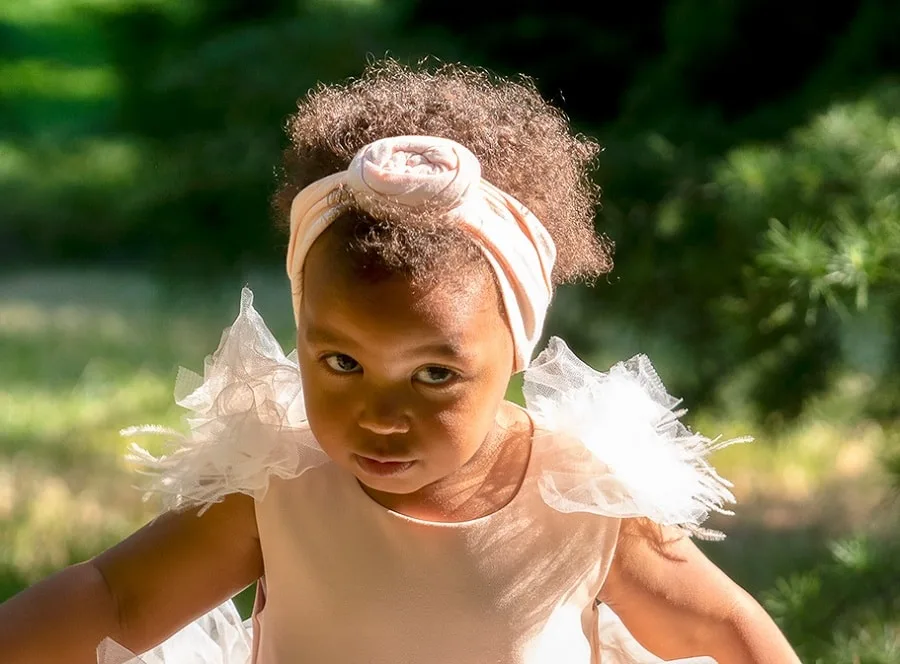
column 348, row 581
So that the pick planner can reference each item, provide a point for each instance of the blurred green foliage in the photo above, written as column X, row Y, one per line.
column 743, row 140
column 844, row 609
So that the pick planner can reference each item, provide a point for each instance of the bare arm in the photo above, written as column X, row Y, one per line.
column 138, row 592
column 677, row 603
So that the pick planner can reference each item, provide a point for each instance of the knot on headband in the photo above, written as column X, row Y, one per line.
column 414, row 171
column 438, row 174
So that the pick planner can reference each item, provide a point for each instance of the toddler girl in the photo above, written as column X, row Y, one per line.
column 393, row 506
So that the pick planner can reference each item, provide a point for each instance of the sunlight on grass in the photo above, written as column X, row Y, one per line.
column 37, row 13
column 84, row 354
column 98, row 163
column 44, row 521
column 80, row 358
column 367, row 5
column 83, row 419
column 56, row 80
column 798, row 460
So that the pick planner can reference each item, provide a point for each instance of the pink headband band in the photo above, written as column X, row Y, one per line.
column 419, row 171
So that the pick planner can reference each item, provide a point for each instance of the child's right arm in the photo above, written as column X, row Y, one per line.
column 138, row 592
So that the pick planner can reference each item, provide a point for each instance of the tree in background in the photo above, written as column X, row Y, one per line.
column 166, row 162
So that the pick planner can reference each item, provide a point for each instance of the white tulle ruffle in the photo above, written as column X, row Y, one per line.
column 643, row 461
column 630, row 457
column 247, row 421
column 248, row 424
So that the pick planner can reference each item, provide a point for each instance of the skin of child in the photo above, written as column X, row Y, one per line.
column 415, row 376
column 398, row 374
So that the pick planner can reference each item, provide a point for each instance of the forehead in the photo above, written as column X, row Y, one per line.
column 461, row 311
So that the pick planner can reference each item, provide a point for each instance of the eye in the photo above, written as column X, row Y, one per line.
column 435, row 375
column 341, row 363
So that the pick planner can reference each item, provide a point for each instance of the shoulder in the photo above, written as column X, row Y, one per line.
column 311, row 500
column 619, row 448
column 319, row 484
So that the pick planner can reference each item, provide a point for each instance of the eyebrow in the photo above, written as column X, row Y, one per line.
column 321, row 335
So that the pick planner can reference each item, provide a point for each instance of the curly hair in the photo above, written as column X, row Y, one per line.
column 526, row 148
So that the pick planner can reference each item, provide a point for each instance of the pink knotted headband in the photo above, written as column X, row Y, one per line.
column 440, row 174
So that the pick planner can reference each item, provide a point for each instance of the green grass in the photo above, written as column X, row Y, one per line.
column 84, row 354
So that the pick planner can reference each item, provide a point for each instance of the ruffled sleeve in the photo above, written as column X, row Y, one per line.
column 639, row 460
column 247, row 421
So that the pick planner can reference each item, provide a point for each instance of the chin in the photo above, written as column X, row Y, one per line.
column 393, row 488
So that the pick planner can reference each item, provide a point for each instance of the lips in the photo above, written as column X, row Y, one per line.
column 385, row 459
column 383, row 466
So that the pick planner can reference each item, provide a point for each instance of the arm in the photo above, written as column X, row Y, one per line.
column 140, row 591
column 676, row 603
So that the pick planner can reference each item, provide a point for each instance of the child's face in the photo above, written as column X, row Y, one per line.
column 402, row 385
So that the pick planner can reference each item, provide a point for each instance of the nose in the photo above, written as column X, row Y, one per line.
column 383, row 415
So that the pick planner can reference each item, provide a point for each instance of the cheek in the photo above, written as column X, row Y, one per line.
column 469, row 419
column 325, row 411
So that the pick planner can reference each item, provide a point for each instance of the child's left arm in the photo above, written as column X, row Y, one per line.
column 677, row 603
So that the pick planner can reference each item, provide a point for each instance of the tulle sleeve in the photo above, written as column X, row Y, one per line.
column 641, row 461
column 246, row 421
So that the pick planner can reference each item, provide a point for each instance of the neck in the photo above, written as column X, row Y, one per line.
column 484, row 485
